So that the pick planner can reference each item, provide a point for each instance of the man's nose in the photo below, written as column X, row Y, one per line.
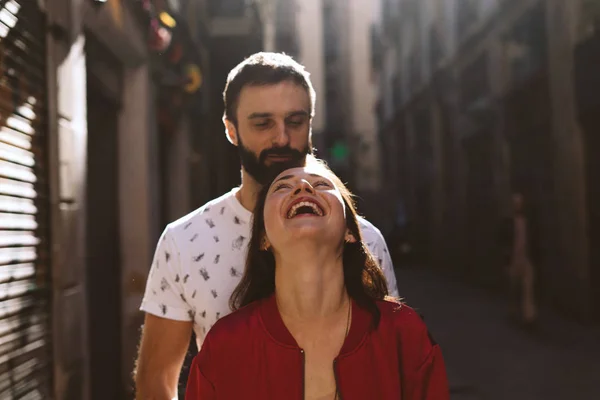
column 282, row 137
column 304, row 185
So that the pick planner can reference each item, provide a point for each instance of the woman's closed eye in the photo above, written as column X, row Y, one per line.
column 316, row 184
column 321, row 183
column 281, row 186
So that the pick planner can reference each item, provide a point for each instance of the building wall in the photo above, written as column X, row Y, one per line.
column 242, row 36
column 68, row 144
column 349, row 77
column 116, row 27
column 573, row 258
column 467, row 35
column 179, row 155
column 310, row 54
column 362, row 15
column 138, row 224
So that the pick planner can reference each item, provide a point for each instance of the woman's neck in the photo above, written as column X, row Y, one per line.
column 311, row 285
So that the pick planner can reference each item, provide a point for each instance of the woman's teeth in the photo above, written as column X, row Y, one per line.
column 315, row 208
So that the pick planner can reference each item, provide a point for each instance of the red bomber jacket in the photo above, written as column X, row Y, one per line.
column 250, row 354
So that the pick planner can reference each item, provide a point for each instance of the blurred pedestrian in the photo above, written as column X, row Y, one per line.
column 313, row 318
column 521, row 272
column 269, row 105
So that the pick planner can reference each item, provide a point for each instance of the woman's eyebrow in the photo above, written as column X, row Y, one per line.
column 291, row 176
column 283, row 178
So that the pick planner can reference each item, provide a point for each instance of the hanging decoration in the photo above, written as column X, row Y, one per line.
column 159, row 37
column 194, row 76
column 179, row 77
column 116, row 10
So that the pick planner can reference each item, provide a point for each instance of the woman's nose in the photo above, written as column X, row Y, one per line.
column 304, row 185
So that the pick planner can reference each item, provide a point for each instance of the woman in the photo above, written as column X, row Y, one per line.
column 310, row 318
column 521, row 271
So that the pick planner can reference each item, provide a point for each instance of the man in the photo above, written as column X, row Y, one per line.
column 269, row 105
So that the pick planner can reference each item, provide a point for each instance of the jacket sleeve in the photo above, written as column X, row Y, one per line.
column 199, row 387
column 432, row 377
column 423, row 369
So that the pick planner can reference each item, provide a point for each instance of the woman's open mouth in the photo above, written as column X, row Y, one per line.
column 305, row 207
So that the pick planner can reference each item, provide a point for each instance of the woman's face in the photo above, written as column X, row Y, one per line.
column 303, row 203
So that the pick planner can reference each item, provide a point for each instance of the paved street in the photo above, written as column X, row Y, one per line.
column 489, row 359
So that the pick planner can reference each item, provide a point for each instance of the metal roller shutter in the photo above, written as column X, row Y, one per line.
column 25, row 346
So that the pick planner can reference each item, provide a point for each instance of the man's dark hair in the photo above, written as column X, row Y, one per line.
column 264, row 69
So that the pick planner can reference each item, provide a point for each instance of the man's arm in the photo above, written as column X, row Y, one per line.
column 168, row 325
column 162, row 351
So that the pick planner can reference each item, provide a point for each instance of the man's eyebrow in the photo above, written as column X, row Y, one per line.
column 259, row 115
column 299, row 113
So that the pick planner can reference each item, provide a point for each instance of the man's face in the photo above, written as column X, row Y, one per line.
column 273, row 129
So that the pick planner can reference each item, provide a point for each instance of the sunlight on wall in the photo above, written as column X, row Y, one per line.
column 18, row 243
column 8, row 17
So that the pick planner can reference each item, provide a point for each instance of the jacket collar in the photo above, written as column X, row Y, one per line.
column 273, row 323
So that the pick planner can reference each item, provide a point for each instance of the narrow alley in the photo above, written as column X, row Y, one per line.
column 488, row 358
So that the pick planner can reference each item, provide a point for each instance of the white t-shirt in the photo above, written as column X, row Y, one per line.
column 200, row 258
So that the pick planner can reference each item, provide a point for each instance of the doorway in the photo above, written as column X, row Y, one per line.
column 102, row 229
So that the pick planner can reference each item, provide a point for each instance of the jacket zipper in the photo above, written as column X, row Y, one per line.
column 335, row 376
column 303, row 371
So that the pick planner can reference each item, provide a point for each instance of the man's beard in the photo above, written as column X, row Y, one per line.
column 263, row 173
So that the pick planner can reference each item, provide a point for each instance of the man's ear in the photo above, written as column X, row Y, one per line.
column 230, row 131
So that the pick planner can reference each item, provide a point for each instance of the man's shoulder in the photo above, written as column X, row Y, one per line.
column 203, row 218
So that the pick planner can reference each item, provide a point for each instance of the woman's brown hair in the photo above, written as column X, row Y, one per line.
column 365, row 283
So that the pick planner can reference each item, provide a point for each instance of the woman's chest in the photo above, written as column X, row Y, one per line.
column 319, row 374
column 270, row 372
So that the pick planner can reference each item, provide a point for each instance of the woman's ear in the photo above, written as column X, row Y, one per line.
column 265, row 245
column 349, row 238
